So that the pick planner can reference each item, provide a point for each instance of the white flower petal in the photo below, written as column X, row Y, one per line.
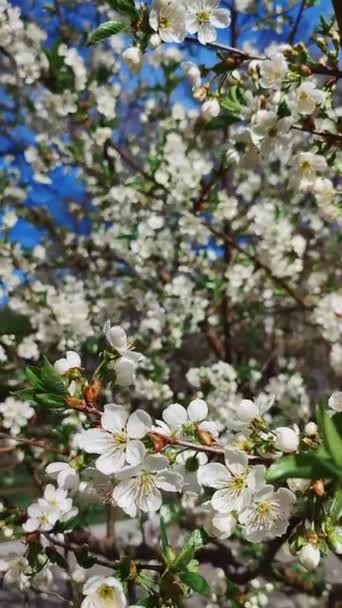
column 111, row 461
column 220, row 18
column 139, row 424
column 213, row 475
column 197, row 410
column 169, row 481
column 95, row 441
column 125, row 496
column 175, row 416
column 135, row 452
column 73, row 359
column 61, row 366
column 114, row 418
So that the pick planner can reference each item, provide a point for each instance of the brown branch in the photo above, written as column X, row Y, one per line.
column 337, row 5
column 258, row 264
column 331, row 137
column 35, row 444
column 74, row 547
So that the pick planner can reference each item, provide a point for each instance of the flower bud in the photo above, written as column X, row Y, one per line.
column 247, row 410
column 133, row 58
column 309, row 556
column 155, row 41
column 287, row 439
column 91, row 393
column 311, row 429
column 317, row 487
column 210, row 109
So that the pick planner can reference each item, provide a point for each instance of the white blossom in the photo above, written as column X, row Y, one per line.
column 203, row 17
column 118, row 441
column 103, row 592
column 235, row 482
column 268, row 513
column 139, row 487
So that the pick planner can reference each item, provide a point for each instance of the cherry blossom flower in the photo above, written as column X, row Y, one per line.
column 203, row 16
column 139, row 487
column 272, row 71
column 118, row 439
column 167, row 17
column 177, row 419
column 268, row 513
column 103, row 592
column 306, row 98
column 234, row 482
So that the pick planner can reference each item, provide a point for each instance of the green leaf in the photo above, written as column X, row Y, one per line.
column 34, row 550
column 336, row 507
column 52, row 381
column 126, row 7
column 331, row 436
column 221, row 122
column 305, row 466
column 56, row 558
column 13, row 323
column 49, row 400
column 197, row 539
column 107, row 29
column 83, row 557
column 33, row 378
column 195, row 581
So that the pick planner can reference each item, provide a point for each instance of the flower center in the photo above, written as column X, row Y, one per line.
column 237, row 484
column 163, row 23
column 43, row 519
column 107, row 595
column 203, row 17
column 306, row 166
column 119, row 439
column 145, row 483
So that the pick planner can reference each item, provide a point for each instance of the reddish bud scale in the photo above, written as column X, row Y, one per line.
column 205, row 438
column 91, row 393
column 32, row 537
column 75, row 403
column 159, row 442
column 317, row 487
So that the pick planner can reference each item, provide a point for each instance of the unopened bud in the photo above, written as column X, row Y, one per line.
column 205, row 438
column 311, row 429
column 305, row 70
column 309, row 556
column 159, row 442
column 91, row 393
column 287, row 439
column 317, row 487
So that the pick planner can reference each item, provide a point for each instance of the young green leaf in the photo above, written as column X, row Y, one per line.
column 194, row 542
column 331, row 436
column 107, row 29
column 126, row 7
column 56, row 558
column 305, row 466
column 195, row 581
